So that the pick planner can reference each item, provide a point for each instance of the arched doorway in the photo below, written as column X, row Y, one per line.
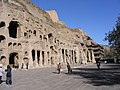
column 12, row 58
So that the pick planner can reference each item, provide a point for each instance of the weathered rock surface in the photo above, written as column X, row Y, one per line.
column 31, row 37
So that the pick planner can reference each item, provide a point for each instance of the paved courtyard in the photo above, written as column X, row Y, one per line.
column 84, row 77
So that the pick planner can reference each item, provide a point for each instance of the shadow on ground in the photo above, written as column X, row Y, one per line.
column 109, row 75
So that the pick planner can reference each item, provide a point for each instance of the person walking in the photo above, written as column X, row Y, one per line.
column 59, row 67
column 98, row 64
column 8, row 75
column 1, row 73
column 69, row 68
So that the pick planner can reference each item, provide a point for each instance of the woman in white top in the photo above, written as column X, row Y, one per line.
column 1, row 73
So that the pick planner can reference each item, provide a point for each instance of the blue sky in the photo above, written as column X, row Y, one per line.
column 95, row 17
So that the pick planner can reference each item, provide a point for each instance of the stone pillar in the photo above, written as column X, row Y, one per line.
column 36, row 64
column 80, row 56
column 30, row 60
column 89, row 56
column 65, row 56
column 20, row 60
column 60, row 59
column 68, row 56
column 40, row 62
column 45, row 58
column 85, row 57
column 77, row 56
column 73, row 56
column 93, row 57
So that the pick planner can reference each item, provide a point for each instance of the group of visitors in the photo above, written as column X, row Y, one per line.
column 8, row 75
column 9, row 69
column 59, row 68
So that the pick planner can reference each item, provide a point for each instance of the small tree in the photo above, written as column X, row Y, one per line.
column 113, row 37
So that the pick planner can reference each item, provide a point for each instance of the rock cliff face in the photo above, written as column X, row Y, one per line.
column 53, row 15
column 31, row 39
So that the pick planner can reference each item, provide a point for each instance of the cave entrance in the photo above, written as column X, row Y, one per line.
column 13, row 25
column 12, row 58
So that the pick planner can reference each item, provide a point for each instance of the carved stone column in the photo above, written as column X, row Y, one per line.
column 30, row 60
column 40, row 62
column 45, row 58
column 84, row 57
column 77, row 56
column 93, row 57
column 89, row 56
column 36, row 64
column 73, row 56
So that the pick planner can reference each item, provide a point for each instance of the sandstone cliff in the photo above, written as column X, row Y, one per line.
column 30, row 37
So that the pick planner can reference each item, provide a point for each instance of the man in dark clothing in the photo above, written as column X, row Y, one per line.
column 8, row 75
column 69, row 68
column 98, row 64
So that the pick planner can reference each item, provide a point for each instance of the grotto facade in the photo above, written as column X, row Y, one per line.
column 33, row 38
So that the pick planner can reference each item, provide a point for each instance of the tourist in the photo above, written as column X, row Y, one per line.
column 59, row 68
column 69, row 68
column 8, row 75
column 1, row 73
column 98, row 64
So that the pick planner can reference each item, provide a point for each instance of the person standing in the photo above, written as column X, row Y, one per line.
column 8, row 75
column 1, row 73
column 69, row 68
column 98, row 64
column 59, row 68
